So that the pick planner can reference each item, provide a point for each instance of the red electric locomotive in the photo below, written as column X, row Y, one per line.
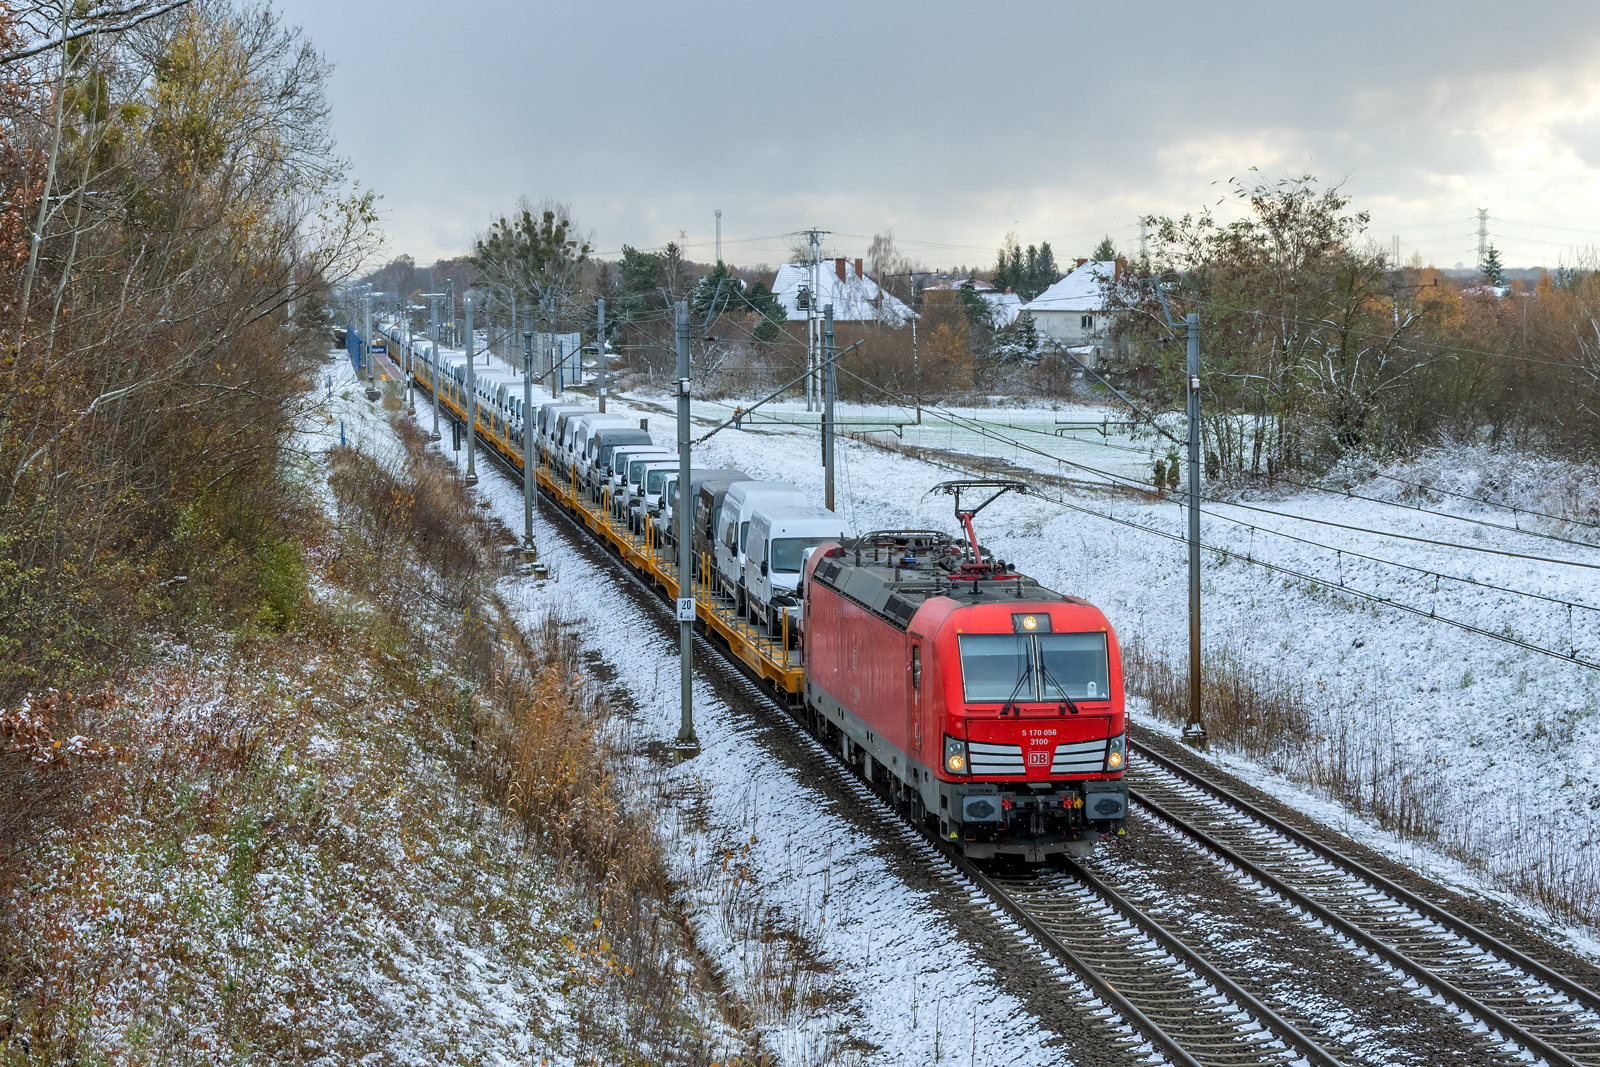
column 989, row 705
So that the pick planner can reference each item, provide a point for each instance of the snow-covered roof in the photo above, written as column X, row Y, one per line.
column 1082, row 290
column 854, row 298
column 1005, row 307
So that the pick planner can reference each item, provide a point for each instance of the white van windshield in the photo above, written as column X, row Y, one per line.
column 654, row 483
column 788, row 551
column 744, row 534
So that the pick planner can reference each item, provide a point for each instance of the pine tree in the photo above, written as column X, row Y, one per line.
column 1491, row 269
column 707, row 291
column 1105, row 251
column 979, row 314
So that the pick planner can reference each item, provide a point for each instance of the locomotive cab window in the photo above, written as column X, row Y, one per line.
column 1073, row 665
column 1034, row 667
column 996, row 667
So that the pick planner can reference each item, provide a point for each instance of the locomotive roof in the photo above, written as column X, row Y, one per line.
column 899, row 570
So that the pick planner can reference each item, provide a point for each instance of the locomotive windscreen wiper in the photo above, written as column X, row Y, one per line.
column 1050, row 679
column 1024, row 675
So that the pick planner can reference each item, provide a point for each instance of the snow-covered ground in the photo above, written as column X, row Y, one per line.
column 751, row 868
column 1504, row 732
column 1505, row 736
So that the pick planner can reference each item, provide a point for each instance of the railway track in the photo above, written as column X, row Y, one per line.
column 1166, row 991
column 1163, row 995
column 1526, row 1004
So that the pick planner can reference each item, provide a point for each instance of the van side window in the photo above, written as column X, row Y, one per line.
column 916, row 666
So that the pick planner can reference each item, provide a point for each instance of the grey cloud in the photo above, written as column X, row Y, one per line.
column 952, row 123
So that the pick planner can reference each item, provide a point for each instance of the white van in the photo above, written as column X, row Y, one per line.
column 645, row 496
column 587, row 426
column 626, row 465
column 742, row 500
column 603, row 443
column 566, row 429
column 545, row 429
column 773, row 556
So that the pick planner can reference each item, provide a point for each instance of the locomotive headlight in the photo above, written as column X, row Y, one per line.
column 955, row 755
column 1116, row 752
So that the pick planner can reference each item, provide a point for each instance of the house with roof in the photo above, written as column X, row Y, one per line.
column 1004, row 307
column 1076, row 310
column 854, row 296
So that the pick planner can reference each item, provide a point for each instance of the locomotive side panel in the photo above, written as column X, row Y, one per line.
column 861, row 663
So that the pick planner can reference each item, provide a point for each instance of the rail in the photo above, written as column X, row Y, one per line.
column 1524, row 1017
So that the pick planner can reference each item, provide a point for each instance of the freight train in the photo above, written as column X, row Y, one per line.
column 987, row 707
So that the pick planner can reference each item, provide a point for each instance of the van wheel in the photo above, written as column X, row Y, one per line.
column 740, row 606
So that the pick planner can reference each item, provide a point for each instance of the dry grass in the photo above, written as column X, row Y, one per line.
column 546, row 748
column 1349, row 752
column 395, row 830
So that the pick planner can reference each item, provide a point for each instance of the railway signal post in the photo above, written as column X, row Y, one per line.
column 472, row 403
column 688, row 745
column 527, row 441
column 1194, row 731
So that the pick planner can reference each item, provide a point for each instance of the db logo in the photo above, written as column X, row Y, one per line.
column 1038, row 759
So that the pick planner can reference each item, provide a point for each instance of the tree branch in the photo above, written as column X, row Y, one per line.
column 90, row 31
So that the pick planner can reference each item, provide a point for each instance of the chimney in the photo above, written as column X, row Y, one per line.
column 838, row 265
column 858, row 270
column 1081, row 262
column 1116, row 274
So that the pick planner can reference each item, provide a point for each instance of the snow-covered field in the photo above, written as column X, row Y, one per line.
column 1505, row 735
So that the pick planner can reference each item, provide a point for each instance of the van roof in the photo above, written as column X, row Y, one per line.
column 623, row 435
column 797, row 515
column 746, row 490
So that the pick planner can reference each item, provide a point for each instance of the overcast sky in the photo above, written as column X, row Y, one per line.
column 955, row 123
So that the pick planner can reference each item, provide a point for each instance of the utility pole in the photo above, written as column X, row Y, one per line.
column 1483, row 235
column 813, row 341
column 1144, row 254
column 829, row 384
column 688, row 745
column 600, row 345
column 916, row 373
column 719, row 235
column 366, row 339
column 472, row 402
column 1194, row 731
column 433, row 347
column 527, row 440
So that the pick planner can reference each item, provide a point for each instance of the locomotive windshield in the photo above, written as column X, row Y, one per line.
column 997, row 668
column 1073, row 665
column 787, row 552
